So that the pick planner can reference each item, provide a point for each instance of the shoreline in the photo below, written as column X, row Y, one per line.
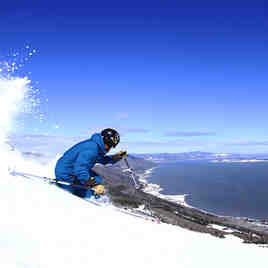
column 155, row 189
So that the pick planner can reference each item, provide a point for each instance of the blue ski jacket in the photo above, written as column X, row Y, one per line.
column 79, row 159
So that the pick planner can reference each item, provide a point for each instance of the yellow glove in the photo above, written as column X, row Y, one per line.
column 120, row 155
column 99, row 189
column 123, row 153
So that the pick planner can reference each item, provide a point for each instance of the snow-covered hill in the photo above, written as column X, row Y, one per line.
column 42, row 226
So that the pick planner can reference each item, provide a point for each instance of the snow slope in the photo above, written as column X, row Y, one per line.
column 42, row 226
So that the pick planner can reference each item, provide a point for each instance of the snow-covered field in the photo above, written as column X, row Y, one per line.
column 43, row 226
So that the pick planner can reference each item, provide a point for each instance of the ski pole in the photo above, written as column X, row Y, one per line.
column 131, row 173
column 72, row 185
column 97, row 196
column 50, row 180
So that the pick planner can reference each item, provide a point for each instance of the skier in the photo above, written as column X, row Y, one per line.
column 76, row 163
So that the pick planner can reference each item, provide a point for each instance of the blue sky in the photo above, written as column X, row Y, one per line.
column 170, row 78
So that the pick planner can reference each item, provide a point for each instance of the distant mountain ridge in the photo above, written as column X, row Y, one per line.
column 198, row 155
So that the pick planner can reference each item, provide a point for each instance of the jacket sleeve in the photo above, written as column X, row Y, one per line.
column 83, row 164
column 107, row 160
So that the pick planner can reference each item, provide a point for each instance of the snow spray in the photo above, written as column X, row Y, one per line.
column 17, row 96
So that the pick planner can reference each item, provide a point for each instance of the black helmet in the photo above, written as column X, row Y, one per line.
column 110, row 137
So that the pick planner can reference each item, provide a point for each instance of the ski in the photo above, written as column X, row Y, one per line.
column 97, row 202
column 124, row 211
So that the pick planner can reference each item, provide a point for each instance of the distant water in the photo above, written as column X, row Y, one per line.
column 230, row 189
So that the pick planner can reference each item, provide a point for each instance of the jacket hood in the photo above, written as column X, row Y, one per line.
column 97, row 138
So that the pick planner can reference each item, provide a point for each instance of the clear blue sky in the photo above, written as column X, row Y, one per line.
column 170, row 78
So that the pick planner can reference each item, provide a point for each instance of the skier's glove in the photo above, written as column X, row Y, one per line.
column 91, row 182
column 119, row 156
column 98, row 190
